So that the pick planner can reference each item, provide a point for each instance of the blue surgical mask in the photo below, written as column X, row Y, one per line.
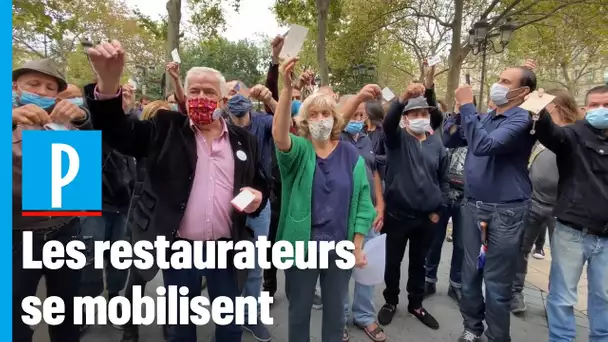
column 598, row 117
column 79, row 101
column 239, row 105
column 490, row 110
column 30, row 98
column 174, row 107
column 498, row 94
column 354, row 127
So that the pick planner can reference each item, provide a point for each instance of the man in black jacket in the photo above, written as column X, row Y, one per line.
column 581, row 231
column 196, row 164
column 416, row 190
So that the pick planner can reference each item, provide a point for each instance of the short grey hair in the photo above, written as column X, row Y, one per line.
column 197, row 71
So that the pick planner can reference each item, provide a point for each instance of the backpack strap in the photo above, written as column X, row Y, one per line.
column 537, row 150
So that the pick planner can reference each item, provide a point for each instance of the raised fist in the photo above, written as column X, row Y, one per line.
column 108, row 62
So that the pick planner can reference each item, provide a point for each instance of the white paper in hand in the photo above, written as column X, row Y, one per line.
column 434, row 60
column 175, row 56
column 535, row 103
column 55, row 127
column 133, row 84
column 387, row 94
column 242, row 200
column 373, row 272
column 296, row 36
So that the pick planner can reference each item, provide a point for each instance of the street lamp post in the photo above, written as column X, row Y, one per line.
column 481, row 42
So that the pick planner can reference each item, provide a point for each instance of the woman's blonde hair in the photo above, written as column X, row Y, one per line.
column 566, row 104
column 321, row 101
column 151, row 108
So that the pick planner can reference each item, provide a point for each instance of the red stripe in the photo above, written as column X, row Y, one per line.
column 61, row 213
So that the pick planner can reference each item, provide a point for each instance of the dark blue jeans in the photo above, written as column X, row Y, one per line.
column 220, row 283
column 109, row 227
column 505, row 232
column 434, row 255
column 63, row 283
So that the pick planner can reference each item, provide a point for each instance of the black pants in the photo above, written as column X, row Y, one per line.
column 270, row 275
column 400, row 228
column 63, row 283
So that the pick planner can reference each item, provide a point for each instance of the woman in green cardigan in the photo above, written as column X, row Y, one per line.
column 325, row 197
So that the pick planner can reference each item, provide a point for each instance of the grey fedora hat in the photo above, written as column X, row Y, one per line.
column 416, row 103
column 44, row 66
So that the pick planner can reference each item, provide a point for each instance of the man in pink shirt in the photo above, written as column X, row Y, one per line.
column 196, row 165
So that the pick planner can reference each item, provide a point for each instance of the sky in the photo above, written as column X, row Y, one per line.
column 254, row 17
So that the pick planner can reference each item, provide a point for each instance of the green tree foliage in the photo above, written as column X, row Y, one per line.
column 242, row 60
column 571, row 47
column 208, row 18
column 55, row 29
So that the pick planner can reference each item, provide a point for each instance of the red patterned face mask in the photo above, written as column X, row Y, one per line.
column 203, row 111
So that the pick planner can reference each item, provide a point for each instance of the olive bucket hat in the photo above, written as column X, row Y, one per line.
column 45, row 66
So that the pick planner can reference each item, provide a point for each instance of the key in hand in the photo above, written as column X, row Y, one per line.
column 535, row 118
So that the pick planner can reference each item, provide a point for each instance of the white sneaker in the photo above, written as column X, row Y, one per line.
column 539, row 254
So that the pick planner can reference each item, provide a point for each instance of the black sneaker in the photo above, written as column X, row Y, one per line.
column 539, row 253
column 468, row 336
column 130, row 334
column 259, row 331
column 386, row 313
column 429, row 289
column 455, row 293
column 518, row 303
column 425, row 317
column 83, row 328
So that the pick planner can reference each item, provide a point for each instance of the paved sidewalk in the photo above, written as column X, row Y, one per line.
column 531, row 326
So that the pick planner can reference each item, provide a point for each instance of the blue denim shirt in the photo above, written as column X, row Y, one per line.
column 261, row 126
column 499, row 146
column 365, row 146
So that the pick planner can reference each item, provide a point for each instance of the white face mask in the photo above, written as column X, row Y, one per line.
column 321, row 129
column 498, row 94
column 419, row 126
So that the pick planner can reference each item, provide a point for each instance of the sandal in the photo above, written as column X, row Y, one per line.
column 376, row 335
column 345, row 335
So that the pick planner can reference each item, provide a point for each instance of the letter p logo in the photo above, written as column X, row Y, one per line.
column 61, row 173
column 58, row 180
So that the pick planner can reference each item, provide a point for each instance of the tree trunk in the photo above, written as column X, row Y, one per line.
column 174, row 9
column 456, row 55
column 322, row 12
column 569, row 81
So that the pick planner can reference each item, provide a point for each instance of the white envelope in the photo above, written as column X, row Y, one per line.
column 296, row 36
column 387, row 94
column 175, row 56
column 535, row 103
column 373, row 272
column 51, row 126
column 434, row 60
column 242, row 200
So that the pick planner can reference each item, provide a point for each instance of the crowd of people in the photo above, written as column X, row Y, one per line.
column 324, row 167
